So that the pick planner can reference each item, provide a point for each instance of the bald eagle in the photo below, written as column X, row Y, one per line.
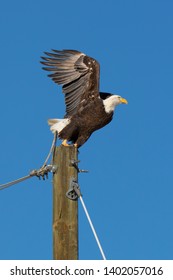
column 87, row 109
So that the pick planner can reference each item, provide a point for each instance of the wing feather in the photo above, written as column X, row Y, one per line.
column 77, row 73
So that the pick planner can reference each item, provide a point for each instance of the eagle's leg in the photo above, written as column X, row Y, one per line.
column 64, row 143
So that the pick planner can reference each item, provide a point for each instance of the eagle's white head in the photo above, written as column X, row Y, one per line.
column 112, row 101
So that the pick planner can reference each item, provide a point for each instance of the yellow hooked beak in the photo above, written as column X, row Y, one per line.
column 123, row 100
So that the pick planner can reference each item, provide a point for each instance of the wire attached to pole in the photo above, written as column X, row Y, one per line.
column 51, row 151
column 92, row 227
column 41, row 172
column 73, row 193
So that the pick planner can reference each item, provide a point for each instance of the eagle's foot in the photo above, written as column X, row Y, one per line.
column 64, row 143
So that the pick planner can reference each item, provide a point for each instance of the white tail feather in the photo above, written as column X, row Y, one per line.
column 56, row 125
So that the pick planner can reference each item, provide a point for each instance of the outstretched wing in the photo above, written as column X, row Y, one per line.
column 79, row 75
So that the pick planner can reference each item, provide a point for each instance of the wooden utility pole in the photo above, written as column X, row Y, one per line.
column 65, row 211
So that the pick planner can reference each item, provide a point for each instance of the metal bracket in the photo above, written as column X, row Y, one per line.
column 74, row 163
column 40, row 173
column 74, row 190
column 43, row 171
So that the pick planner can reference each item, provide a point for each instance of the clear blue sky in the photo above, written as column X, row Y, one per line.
column 129, row 190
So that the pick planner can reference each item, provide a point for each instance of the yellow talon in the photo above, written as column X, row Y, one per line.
column 64, row 143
